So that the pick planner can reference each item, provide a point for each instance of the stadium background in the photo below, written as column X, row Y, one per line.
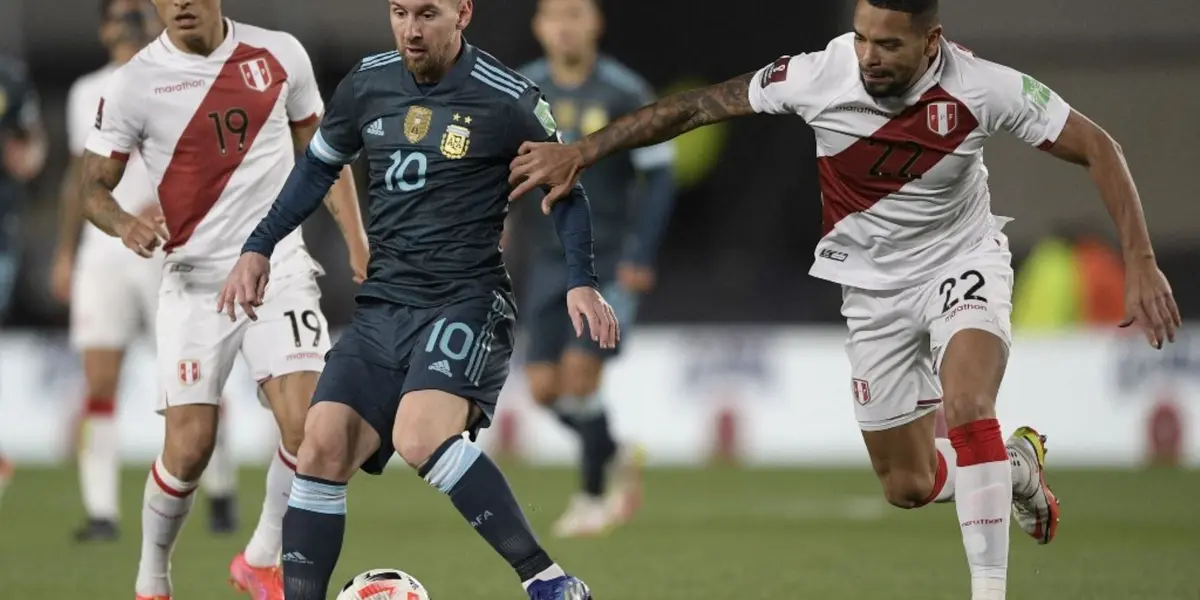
column 738, row 352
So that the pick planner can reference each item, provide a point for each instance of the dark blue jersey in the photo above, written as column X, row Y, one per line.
column 19, row 112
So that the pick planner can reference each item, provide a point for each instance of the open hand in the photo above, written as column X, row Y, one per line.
column 1149, row 302
column 587, row 307
column 547, row 164
column 246, row 286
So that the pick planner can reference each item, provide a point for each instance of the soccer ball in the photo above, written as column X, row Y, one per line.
column 383, row 584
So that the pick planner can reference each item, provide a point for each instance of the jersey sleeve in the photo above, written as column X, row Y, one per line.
column 339, row 139
column 81, row 118
column 658, row 156
column 789, row 85
column 304, row 104
column 534, row 121
column 1023, row 106
column 117, row 127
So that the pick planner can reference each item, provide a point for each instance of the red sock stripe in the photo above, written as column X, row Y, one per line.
column 978, row 442
column 287, row 461
column 99, row 407
column 162, row 485
column 939, row 479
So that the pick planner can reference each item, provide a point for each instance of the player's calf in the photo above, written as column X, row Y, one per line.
column 475, row 485
column 98, row 445
column 908, row 463
column 337, row 440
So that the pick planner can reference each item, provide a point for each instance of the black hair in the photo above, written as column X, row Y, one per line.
column 924, row 13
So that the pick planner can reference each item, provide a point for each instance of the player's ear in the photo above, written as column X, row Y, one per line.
column 932, row 40
column 466, row 9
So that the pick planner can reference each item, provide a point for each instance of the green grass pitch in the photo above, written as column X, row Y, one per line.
column 705, row 534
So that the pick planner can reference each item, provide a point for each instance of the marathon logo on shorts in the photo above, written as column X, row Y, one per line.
column 861, row 390
column 777, row 72
column 942, row 117
column 257, row 74
column 189, row 372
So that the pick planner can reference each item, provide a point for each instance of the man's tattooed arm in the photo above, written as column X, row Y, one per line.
column 101, row 175
column 670, row 117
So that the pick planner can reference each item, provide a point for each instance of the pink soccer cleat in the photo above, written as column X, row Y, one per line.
column 262, row 583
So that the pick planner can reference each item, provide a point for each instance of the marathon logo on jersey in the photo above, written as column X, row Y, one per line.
column 861, row 390
column 836, row 255
column 777, row 72
column 257, row 74
column 189, row 372
column 100, row 114
column 943, row 117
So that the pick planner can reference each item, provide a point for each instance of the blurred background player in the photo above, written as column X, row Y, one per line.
column 587, row 89
column 22, row 156
column 218, row 148
column 113, row 293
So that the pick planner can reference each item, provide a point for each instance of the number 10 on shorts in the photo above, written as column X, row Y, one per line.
column 443, row 338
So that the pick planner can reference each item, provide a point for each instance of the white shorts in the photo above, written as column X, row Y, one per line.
column 897, row 336
column 197, row 345
column 114, row 296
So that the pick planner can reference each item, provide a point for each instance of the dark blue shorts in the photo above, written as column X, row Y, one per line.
column 544, row 312
column 390, row 350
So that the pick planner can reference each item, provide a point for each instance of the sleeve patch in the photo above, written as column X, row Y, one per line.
column 777, row 72
column 100, row 114
column 1035, row 90
column 545, row 117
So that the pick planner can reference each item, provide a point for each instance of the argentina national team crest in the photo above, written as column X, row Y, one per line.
column 455, row 141
column 943, row 117
column 416, row 123
column 256, row 73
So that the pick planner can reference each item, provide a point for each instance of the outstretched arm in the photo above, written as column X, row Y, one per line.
column 342, row 201
column 306, row 187
column 1149, row 301
column 670, row 117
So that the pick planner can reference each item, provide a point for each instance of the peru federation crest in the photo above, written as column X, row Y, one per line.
column 256, row 73
column 455, row 141
column 942, row 117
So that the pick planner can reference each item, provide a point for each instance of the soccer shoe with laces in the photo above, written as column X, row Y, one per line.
column 261, row 583
column 625, row 492
column 559, row 588
column 585, row 516
column 1035, row 512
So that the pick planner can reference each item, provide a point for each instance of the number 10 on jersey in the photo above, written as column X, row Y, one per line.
column 407, row 172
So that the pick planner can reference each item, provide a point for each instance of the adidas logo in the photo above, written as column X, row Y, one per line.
column 296, row 557
column 441, row 366
column 376, row 127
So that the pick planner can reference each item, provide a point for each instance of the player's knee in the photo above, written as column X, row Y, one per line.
column 325, row 451
column 543, row 385
column 962, row 408
column 581, row 386
column 415, row 449
column 102, row 388
column 581, row 374
column 189, row 445
column 907, row 488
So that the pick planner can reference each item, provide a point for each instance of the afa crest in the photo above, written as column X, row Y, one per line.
column 456, row 141
column 416, row 123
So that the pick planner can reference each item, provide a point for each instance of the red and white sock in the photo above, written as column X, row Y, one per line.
column 983, row 496
column 220, row 477
column 98, row 460
column 267, row 541
column 947, row 467
column 164, row 509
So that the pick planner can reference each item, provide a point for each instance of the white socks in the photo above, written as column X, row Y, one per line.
column 99, row 463
column 265, row 544
column 983, row 497
column 165, row 507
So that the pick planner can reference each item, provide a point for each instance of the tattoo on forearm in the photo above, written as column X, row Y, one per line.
column 100, row 177
column 672, row 116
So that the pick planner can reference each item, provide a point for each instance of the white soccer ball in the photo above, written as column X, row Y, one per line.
column 383, row 584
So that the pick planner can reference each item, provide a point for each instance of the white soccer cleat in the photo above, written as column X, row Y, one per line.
column 1035, row 510
column 586, row 516
column 624, row 496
